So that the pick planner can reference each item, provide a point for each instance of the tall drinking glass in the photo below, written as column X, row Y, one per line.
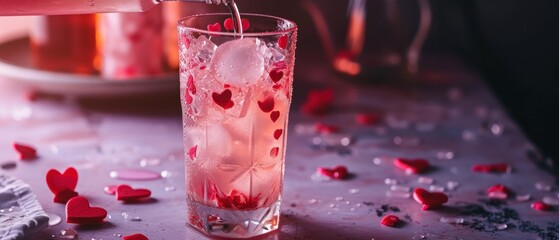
column 235, row 94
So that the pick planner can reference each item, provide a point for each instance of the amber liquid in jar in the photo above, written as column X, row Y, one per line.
column 65, row 43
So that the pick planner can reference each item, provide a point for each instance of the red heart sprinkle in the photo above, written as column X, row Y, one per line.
column 366, row 118
column 267, row 105
column 228, row 24
column 25, row 152
column 276, row 87
column 214, row 27
column 58, row 182
column 326, row 129
column 412, row 165
column 282, row 41
column 136, row 236
column 192, row 152
column 274, row 152
column 319, row 102
column 429, row 199
column 496, row 168
column 127, row 193
column 390, row 220
column 223, row 99
column 79, row 211
column 276, row 75
column 111, row 189
column 274, row 115
column 190, row 85
column 499, row 191
column 64, row 196
column 540, row 206
column 277, row 133
column 338, row 172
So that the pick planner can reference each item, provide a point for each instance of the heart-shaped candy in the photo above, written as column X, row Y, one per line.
column 223, row 99
column 25, row 152
column 390, row 220
column 496, row 168
column 412, row 165
column 429, row 199
column 127, row 193
column 276, row 75
column 136, row 236
column 267, row 105
column 277, row 133
column 58, row 182
column 338, row 172
column 499, row 191
column 79, row 211
column 214, row 27
column 274, row 115
column 540, row 206
column 64, row 196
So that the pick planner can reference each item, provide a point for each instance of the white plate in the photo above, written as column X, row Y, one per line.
column 15, row 65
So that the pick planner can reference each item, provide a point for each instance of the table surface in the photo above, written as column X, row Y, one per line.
column 450, row 118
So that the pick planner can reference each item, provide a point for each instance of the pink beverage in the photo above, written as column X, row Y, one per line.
column 235, row 94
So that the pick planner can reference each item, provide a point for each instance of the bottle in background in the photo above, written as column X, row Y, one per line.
column 64, row 43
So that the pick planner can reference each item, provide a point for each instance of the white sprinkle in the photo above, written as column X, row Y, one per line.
column 452, row 220
column 543, row 186
column 390, row 181
column 452, row 185
column 551, row 201
column 354, row 190
column 397, row 188
column 523, row 198
column 425, row 180
column 435, row 188
column 397, row 194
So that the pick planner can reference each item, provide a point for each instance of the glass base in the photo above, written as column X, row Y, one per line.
column 228, row 223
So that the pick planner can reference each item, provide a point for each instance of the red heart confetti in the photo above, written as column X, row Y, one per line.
column 267, row 105
column 366, row 118
column 237, row 200
column 326, row 129
column 499, row 191
column 276, row 75
column 429, row 199
column 58, row 182
column 319, row 102
column 111, row 189
column 229, row 25
column 190, row 85
column 390, row 220
column 24, row 151
column 136, row 236
column 64, row 196
column 412, row 165
column 277, row 133
column 274, row 152
column 214, row 27
column 223, row 99
column 79, row 211
column 540, row 206
column 192, row 152
column 282, row 41
column 338, row 172
column 495, row 168
column 274, row 116
column 127, row 193
column 187, row 98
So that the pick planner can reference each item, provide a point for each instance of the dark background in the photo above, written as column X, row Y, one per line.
column 513, row 44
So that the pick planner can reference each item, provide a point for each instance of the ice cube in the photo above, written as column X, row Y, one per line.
column 239, row 62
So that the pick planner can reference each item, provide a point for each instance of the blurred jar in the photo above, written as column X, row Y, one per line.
column 131, row 44
column 64, row 43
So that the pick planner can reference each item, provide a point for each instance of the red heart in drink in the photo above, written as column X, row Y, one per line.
column 127, row 193
column 276, row 75
column 274, row 116
column 267, row 105
column 58, row 182
column 223, row 99
column 230, row 25
column 338, row 172
column 245, row 23
column 277, row 133
column 192, row 152
column 64, row 196
column 136, row 236
column 190, row 85
column 412, row 165
column 79, row 211
column 390, row 220
column 274, row 152
column 282, row 41
column 429, row 199
column 25, row 152
column 214, row 27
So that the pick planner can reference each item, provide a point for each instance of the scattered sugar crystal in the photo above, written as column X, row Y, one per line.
column 496, row 128
column 333, row 205
column 445, row 155
column 551, row 201
column 502, row 226
column 390, row 181
column 523, row 198
column 354, row 190
column 451, row 185
column 170, row 189
column 339, row 198
column 452, row 220
column 305, row 129
column 397, row 188
column 406, row 141
column 166, row 174
column 436, row 188
column 136, row 219
column 150, row 162
column 425, row 180
column 543, row 186
column 397, row 194
column 347, row 202
column 313, row 201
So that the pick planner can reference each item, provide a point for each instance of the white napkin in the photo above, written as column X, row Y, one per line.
column 20, row 213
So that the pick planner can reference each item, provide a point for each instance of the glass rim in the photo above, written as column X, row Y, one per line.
column 234, row 34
